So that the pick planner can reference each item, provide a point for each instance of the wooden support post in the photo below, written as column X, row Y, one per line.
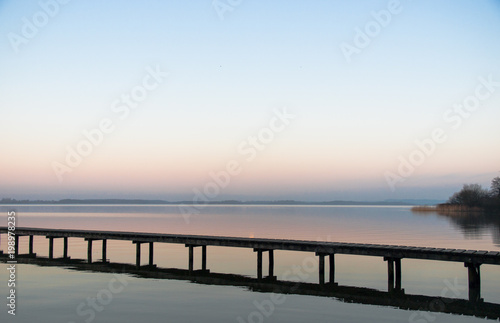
column 104, row 250
column 271, row 263
column 397, row 262
column 321, row 268
column 191, row 259
column 137, row 254
column 51, row 247
column 151, row 252
column 65, row 248
column 259, row 264
column 16, row 245
column 31, row 245
column 89, row 251
column 204, row 258
column 390, row 273
column 474, row 281
column 332, row 268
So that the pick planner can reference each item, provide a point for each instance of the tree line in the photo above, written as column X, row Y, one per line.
column 474, row 195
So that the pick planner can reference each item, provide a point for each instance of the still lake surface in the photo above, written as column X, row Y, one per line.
column 56, row 294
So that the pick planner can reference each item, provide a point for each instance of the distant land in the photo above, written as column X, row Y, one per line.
column 396, row 202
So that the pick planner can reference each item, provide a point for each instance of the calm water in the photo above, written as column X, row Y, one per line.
column 55, row 294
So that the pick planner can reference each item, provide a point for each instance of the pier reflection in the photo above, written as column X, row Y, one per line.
column 394, row 298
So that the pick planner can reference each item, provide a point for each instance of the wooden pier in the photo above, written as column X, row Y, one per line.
column 472, row 259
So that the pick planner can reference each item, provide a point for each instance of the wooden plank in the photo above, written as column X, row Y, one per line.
column 366, row 246
column 419, row 249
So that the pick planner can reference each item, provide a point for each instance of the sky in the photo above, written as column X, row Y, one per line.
column 211, row 100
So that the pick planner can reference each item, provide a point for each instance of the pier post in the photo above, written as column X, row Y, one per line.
column 31, row 245
column 151, row 250
column 474, row 281
column 65, row 248
column 321, row 267
column 16, row 245
column 332, row 269
column 393, row 272
column 259, row 263
column 104, row 250
column 390, row 273
column 191, row 259
column 271, row 263
column 204, row 258
column 51, row 247
column 137, row 254
column 89, row 251
column 397, row 262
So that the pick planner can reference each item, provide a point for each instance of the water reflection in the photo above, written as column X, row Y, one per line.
column 347, row 294
column 473, row 225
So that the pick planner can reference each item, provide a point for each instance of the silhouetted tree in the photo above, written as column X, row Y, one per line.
column 470, row 195
column 495, row 188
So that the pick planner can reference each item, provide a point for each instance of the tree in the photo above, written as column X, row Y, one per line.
column 495, row 188
column 470, row 195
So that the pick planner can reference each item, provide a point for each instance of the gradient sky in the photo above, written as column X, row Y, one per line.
column 353, row 120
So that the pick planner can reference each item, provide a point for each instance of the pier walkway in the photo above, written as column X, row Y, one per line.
column 472, row 259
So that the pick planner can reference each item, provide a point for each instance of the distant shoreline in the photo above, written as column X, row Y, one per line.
column 447, row 208
column 223, row 202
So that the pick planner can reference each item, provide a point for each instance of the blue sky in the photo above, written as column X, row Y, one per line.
column 353, row 119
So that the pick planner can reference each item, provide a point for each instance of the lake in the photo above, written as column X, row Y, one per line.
column 62, row 293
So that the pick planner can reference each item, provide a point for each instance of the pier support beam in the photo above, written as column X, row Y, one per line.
column 397, row 263
column 321, row 268
column 271, row 263
column 151, row 254
column 16, row 245
column 474, row 281
column 259, row 263
column 104, row 250
column 138, row 253
column 65, row 248
column 51, row 247
column 203, row 258
column 31, row 253
column 390, row 274
column 393, row 273
column 191, row 259
column 89, row 250
column 332, row 268
column 321, row 265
